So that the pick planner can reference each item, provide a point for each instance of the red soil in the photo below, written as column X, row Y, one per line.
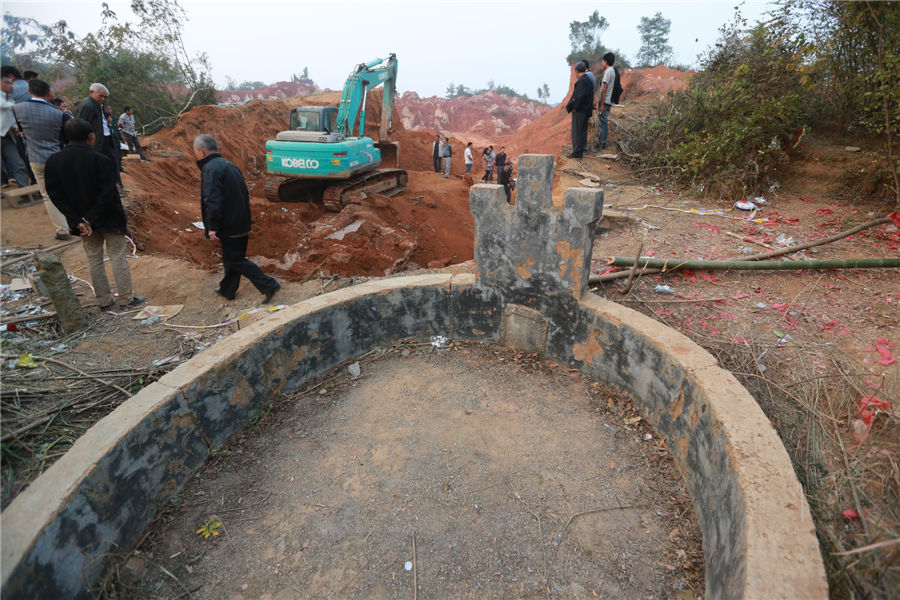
column 427, row 225
column 292, row 239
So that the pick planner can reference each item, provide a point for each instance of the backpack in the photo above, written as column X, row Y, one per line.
column 617, row 88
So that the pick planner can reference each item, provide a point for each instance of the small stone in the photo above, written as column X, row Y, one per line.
column 851, row 149
column 354, row 369
column 408, row 565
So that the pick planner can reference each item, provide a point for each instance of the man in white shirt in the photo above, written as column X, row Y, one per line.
column 604, row 104
column 126, row 126
column 8, row 128
column 469, row 158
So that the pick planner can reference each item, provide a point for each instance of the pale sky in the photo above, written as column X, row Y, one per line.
column 521, row 44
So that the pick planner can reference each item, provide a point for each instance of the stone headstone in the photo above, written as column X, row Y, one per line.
column 535, row 248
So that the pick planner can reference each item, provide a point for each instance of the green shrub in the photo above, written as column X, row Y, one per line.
column 731, row 129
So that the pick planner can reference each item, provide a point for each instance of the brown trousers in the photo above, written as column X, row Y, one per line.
column 59, row 221
column 117, row 248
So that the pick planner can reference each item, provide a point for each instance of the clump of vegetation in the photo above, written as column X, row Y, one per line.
column 728, row 132
column 457, row 91
column 811, row 64
column 144, row 64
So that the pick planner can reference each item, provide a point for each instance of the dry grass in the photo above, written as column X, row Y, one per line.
column 814, row 414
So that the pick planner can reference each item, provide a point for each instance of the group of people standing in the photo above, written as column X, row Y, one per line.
column 491, row 162
column 581, row 104
column 76, row 160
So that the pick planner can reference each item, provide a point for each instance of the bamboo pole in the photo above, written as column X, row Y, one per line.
column 666, row 264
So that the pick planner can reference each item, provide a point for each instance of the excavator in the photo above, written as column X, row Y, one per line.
column 319, row 158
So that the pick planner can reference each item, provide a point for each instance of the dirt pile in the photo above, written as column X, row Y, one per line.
column 276, row 91
column 372, row 236
column 637, row 83
column 486, row 115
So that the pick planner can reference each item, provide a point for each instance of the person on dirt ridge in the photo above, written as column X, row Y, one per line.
column 446, row 154
column 580, row 105
column 504, row 178
column 436, row 148
column 8, row 132
column 116, row 137
column 43, row 124
column 486, row 164
column 469, row 158
column 500, row 161
column 90, row 109
column 590, row 74
column 81, row 183
column 604, row 103
column 126, row 126
column 225, row 206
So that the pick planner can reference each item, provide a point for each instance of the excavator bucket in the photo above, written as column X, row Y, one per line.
column 390, row 154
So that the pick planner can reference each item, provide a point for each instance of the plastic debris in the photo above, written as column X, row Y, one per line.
column 198, row 224
column 25, row 361
column 744, row 205
column 59, row 348
column 881, row 347
column 664, row 289
column 438, row 341
column 354, row 369
column 783, row 240
column 408, row 565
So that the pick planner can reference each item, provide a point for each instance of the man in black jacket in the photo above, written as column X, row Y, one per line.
column 225, row 206
column 91, row 110
column 581, row 105
column 81, row 183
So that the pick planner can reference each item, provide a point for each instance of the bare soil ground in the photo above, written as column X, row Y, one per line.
column 519, row 478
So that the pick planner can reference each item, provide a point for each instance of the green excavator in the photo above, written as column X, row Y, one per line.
column 318, row 158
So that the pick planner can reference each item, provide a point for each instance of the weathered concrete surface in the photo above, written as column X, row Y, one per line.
column 758, row 535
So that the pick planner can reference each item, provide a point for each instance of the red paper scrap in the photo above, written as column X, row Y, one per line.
column 887, row 357
column 869, row 406
column 825, row 211
column 740, row 296
column 851, row 513
column 895, row 217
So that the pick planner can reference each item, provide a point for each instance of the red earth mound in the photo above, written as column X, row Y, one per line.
column 378, row 235
column 484, row 116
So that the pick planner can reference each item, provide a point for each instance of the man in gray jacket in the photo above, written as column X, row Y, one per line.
column 43, row 126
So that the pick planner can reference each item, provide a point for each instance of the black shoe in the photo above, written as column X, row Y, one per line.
column 219, row 291
column 268, row 297
column 105, row 308
column 576, row 156
column 122, row 171
column 146, row 160
column 63, row 236
column 137, row 300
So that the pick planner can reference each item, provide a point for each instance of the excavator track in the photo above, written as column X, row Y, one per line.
column 382, row 181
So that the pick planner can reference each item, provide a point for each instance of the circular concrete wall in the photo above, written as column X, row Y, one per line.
column 759, row 539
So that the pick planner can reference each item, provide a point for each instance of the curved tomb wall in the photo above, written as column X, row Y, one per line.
column 533, row 260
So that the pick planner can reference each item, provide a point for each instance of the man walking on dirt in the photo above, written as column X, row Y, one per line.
column 436, row 147
column 581, row 105
column 225, row 206
column 604, row 104
column 82, row 184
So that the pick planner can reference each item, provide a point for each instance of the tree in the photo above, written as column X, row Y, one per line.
column 546, row 89
column 655, row 48
column 584, row 37
column 143, row 64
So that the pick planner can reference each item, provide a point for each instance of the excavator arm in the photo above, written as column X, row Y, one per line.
column 353, row 98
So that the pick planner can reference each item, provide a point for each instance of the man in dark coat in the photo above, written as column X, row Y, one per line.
column 91, row 109
column 82, row 184
column 581, row 105
column 436, row 148
column 225, row 206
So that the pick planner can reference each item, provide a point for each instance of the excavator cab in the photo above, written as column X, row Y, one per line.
column 313, row 118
